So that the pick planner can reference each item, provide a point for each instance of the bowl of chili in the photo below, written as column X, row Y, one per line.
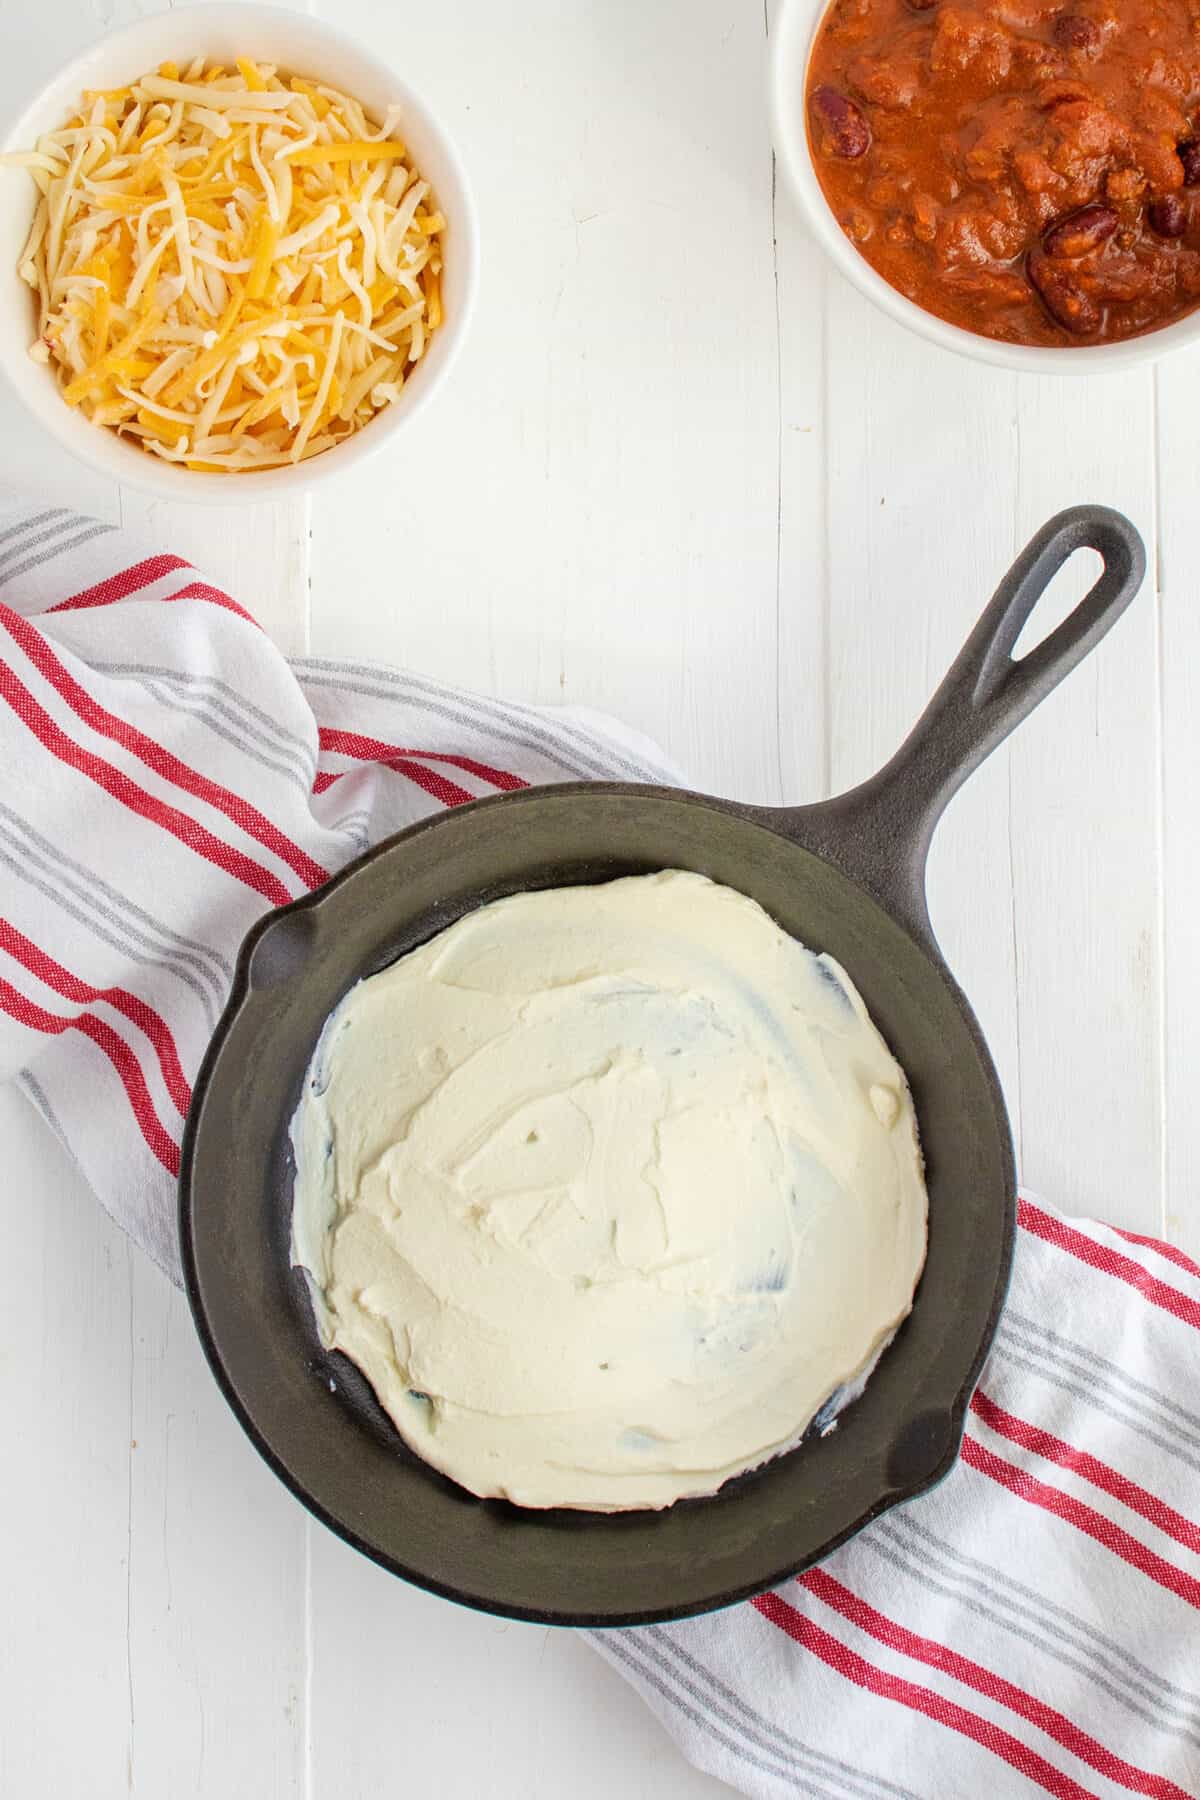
column 1017, row 183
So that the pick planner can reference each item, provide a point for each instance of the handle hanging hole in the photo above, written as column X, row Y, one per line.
column 1081, row 571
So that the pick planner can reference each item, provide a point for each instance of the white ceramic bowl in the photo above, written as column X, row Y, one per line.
column 795, row 31
column 299, row 44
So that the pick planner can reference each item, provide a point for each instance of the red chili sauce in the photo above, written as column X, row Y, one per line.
column 1026, row 170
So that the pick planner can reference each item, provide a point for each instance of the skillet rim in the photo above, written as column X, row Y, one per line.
column 769, row 818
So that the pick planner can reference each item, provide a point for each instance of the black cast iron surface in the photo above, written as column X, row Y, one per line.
column 848, row 877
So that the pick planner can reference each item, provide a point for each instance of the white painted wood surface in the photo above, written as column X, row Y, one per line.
column 682, row 473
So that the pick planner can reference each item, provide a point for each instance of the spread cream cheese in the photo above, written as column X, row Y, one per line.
column 607, row 1190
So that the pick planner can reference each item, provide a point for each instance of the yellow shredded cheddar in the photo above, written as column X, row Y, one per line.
column 237, row 300
column 230, row 267
column 381, row 292
column 100, row 321
column 124, row 203
column 266, row 237
column 361, row 151
column 169, row 430
column 225, row 148
column 104, row 365
column 122, row 270
column 215, row 357
column 261, row 408
column 317, row 100
column 433, row 302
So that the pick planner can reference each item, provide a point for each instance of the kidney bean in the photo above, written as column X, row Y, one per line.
column 1168, row 216
column 1189, row 156
column 844, row 131
column 922, row 5
column 1081, row 232
column 1073, row 32
column 1062, row 295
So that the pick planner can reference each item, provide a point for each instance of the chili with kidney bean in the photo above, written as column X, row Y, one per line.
column 1026, row 170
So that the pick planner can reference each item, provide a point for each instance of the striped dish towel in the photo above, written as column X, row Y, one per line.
column 1031, row 1626
column 165, row 778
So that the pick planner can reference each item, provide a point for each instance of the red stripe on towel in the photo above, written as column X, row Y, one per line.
column 121, row 585
column 992, row 1686
column 448, row 792
column 368, row 749
column 119, row 1055
column 204, row 590
column 864, row 1674
column 1081, row 1462
column 1084, row 1518
column 136, row 1010
column 155, row 756
column 1110, row 1262
column 127, row 793
column 1171, row 1252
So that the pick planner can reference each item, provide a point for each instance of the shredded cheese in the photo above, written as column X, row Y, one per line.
column 315, row 154
column 233, row 269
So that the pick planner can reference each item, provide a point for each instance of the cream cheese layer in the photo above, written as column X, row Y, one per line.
column 607, row 1190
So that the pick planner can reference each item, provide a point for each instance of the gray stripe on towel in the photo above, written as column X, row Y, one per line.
column 1049, row 1627
column 778, row 1768
column 32, row 519
column 1111, row 1405
column 52, row 529
column 556, row 740
column 1115, row 1376
column 138, row 925
column 760, row 1729
column 253, row 720
column 45, row 556
column 207, row 714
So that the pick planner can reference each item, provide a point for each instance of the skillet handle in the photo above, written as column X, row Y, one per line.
column 880, row 832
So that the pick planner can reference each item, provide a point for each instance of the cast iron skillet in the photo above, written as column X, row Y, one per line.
column 847, row 876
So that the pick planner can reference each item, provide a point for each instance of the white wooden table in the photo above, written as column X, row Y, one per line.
column 684, row 474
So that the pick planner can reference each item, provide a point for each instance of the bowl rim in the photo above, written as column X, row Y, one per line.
column 793, row 36
column 134, row 469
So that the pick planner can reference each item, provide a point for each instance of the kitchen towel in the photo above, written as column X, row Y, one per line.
column 1030, row 1626
column 165, row 778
